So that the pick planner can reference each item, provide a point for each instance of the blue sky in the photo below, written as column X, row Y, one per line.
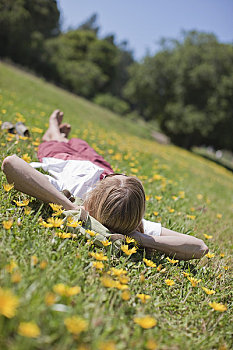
column 144, row 22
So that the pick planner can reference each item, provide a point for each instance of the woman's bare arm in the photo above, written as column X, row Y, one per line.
column 32, row 182
column 174, row 244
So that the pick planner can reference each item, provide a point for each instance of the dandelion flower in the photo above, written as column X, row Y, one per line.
column 46, row 224
column 207, row 236
column 29, row 329
column 70, row 291
column 8, row 303
column 60, row 289
column 219, row 216
column 158, row 198
column 108, row 282
column 149, row 262
column 156, row 213
column 159, row 268
column 145, row 322
column 117, row 272
column 143, row 297
column 226, row 267
column 72, row 223
column 23, row 203
column 142, row 278
column 8, row 187
column 191, row 217
column 75, row 324
column 169, row 282
column 99, row 256
column 55, row 222
column 7, row 224
column 151, row 345
column 98, row 265
column 26, row 158
column 194, row 281
column 43, row 264
column 125, row 295
column 106, row 243
column 50, row 299
column 218, row 306
column 108, row 345
column 34, row 260
column 127, row 251
column 27, row 210
column 123, row 279
column 208, row 291
column 210, row 255
column 16, row 277
column 91, row 233
column 55, row 207
column 172, row 261
column 221, row 255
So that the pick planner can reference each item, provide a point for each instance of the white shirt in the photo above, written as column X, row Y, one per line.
column 79, row 177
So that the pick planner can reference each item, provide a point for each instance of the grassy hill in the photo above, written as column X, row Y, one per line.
column 184, row 191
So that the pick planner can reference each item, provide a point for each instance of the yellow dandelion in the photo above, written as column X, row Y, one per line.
column 117, row 272
column 149, row 262
column 43, row 264
column 208, row 291
column 120, row 286
column 172, row 261
column 70, row 291
column 55, row 222
column 29, row 329
column 46, row 224
column 171, row 210
column 26, row 157
column 123, row 279
column 60, row 289
column 148, row 197
column 8, row 303
column 27, row 210
column 158, row 198
column 169, row 282
column 37, row 130
column 191, row 217
column 34, row 260
column 7, row 224
column 91, row 233
column 99, row 256
column 129, row 240
column 181, row 194
column 72, row 223
column 143, row 297
column 75, row 324
column 63, row 235
column 207, row 236
column 106, row 243
column 11, row 266
column 50, row 299
column 221, row 255
column 55, row 207
column 218, row 306
column 194, row 281
column 108, row 282
column 226, row 267
column 142, row 278
column 159, row 268
column 156, row 213
column 16, row 277
column 125, row 295
column 219, row 216
column 23, row 203
column 145, row 322
column 186, row 274
column 151, row 344
column 127, row 251
column 8, row 187
column 199, row 196
column 210, row 255
column 98, row 265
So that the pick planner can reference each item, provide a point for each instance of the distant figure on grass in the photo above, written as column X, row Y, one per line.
column 115, row 200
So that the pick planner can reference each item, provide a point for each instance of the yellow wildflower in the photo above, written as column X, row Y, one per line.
column 34, row 260
column 70, row 291
column 169, row 282
column 91, row 233
column 186, row 274
column 37, row 130
column 8, row 303
column 207, row 236
column 151, row 345
column 199, row 196
column 147, row 197
column 26, row 158
column 64, row 235
column 75, row 324
column 129, row 240
column 98, row 265
column 50, row 299
column 149, row 262
column 99, row 256
column 27, row 210
column 43, row 264
column 182, row 194
column 194, row 281
column 106, row 243
column 16, row 277
column 55, row 222
column 29, row 329
column 210, row 255
column 108, row 282
column 120, row 286
column 60, row 289
column 172, row 261
column 218, row 306
column 171, row 210
column 117, row 272
column 221, row 255
column 8, row 187
column 46, row 224
column 191, row 217
column 226, row 267
column 142, row 278
column 208, row 291
column 156, row 213
column 143, row 297
column 145, row 322
column 23, row 203
column 123, row 279
column 55, row 207
column 125, row 295
column 219, row 216
column 72, row 223
column 11, row 266
column 159, row 268
column 158, row 198
column 127, row 251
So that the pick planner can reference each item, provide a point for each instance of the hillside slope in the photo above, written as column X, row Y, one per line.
column 185, row 192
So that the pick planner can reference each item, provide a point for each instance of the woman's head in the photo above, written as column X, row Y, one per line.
column 118, row 202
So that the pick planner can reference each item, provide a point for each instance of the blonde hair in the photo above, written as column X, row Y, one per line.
column 118, row 203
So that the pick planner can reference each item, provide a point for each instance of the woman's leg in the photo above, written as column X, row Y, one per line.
column 56, row 130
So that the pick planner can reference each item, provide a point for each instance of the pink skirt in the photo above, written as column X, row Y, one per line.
column 74, row 149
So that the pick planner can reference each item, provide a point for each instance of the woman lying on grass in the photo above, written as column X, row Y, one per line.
column 115, row 200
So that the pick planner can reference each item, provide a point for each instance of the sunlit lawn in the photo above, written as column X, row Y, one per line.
column 56, row 295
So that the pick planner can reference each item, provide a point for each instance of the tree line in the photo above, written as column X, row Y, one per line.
column 187, row 87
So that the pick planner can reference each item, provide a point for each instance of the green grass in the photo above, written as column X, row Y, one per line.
column 187, row 183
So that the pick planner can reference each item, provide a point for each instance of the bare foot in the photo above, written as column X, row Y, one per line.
column 65, row 129
column 54, row 123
